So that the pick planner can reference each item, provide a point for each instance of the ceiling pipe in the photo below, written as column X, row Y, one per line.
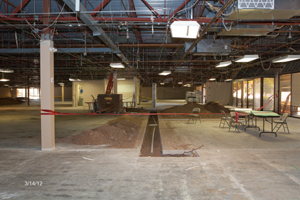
column 97, row 31
column 229, row 2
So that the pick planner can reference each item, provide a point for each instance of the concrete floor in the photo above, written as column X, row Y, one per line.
column 231, row 165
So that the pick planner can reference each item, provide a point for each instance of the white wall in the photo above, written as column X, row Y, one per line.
column 5, row 92
column 165, row 92
column 67, row 93
column 126, row 88
column 89, row 88
column 218, row 91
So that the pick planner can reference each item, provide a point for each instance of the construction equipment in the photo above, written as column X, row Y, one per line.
column 110, row 103
column 110, row 84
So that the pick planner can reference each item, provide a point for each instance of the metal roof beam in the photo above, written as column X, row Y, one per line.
column 97, row 31
column 151, row 9
column 179, row 8
column 19, row 8
column 229, row 2
column 100, row 7
column 60, row 50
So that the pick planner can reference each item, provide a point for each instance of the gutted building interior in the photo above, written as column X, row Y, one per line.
column 149, row 99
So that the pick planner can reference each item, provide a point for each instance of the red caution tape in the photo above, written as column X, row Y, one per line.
column 51, row 112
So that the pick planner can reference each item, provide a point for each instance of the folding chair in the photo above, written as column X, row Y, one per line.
column 233, row 122
column 224, row 120
column 282, row 122
column 195, row 114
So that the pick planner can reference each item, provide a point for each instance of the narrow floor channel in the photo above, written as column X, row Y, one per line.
column 152, row 146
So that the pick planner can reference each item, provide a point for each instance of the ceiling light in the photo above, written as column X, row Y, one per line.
column 164, row 73
column 74, row 79
column 185, row 29
column 229, row 79
column 162, row 83
column 187, row 85
column 247, row 58
column 4, row 80
column 212, row 79
column 117, row 65
column 180, row 83
column 52, row 49
column 224, row 64
column 121, row 79
column 287, row 58
column 6, row 70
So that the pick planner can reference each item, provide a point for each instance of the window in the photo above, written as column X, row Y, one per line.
column 257, row 89
column 268, row 94
column 285, row 93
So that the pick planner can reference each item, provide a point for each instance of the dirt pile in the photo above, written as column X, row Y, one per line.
column 137, row 110
column 120, row 133
column 211, row 108
column 10, row 101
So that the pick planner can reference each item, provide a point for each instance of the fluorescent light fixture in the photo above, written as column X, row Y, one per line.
column 224, row 64
column 6, row 70
column 4, row 80
column 117, row 65
column 212, row 79
column 247, row 58
column 185, row 29
column 164, row 73
column 162, row 83
column 229, row 79
column 180, row 83
column 121, row 79
column 74, row 79
column 287, row 58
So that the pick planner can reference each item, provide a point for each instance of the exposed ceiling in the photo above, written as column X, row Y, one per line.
column 137, row 33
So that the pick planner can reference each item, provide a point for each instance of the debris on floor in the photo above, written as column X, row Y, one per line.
column 211, row 108
column 119, row 133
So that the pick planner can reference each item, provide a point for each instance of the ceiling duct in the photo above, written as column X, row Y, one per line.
column 184, row 69
column 247, row 30
column 265, row 10
column 259, row 10
column 210, row 46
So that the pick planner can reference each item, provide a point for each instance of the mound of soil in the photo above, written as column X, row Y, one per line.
column 10, row 101
column 120, row 133
column 137, row 110
column 211, row 108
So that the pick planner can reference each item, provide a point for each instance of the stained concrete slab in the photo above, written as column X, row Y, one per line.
column 231, row 165
column 264, row 167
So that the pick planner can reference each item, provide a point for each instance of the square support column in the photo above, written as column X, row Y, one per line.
column 136, row 94
column 47, row 94
column 276, row 90
column 115, row 80
column 154, row 95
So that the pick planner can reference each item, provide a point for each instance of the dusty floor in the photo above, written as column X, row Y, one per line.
column 231, row 165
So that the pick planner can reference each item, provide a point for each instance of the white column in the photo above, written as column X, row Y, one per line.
column 154, row 95
column 276, row 88
column 62, row 92
column 47, row 94
column 134, row 92
column 115, row 87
